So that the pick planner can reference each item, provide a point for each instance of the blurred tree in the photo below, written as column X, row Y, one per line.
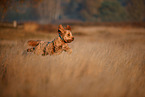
column 136, row 9
column 72, row 9
column 112, row 11
column 24, row 13
column 5, row 5
column 87, row 10
column 49, row 10
column 83, row 9
column 90, row 11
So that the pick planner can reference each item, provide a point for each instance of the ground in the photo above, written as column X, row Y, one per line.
column 106, row 61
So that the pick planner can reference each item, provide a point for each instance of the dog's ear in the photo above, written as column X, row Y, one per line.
column 60, row 29
column 68, row 27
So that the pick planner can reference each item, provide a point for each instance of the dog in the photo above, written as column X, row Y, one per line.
column 55, row 47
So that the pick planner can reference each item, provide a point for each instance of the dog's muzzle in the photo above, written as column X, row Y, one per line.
column 70, row 40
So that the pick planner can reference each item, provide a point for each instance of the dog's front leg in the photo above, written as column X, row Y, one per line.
column 67, row 49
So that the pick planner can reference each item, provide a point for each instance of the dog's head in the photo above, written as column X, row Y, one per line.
column 65, row 33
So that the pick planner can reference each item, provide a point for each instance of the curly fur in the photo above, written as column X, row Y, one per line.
column 57, row 46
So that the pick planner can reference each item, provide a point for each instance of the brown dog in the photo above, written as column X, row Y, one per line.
column 54, row 47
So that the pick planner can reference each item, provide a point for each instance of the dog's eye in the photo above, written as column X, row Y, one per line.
column 68, row 34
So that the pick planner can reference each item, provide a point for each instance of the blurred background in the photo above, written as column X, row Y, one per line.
column 108, row 51
column 56, row 11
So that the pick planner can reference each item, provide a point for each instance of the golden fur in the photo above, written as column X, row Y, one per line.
column 54, row 47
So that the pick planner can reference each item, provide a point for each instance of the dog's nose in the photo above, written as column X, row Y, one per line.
column 72, row 38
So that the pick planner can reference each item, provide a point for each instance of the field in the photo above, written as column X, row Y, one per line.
column 105, row 62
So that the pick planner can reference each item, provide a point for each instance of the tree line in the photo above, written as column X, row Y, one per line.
column 47, row 11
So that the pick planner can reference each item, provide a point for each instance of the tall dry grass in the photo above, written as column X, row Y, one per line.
column 93, row 70
column 30, row 26
column 104, row 64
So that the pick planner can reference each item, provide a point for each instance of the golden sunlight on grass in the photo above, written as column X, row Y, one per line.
column 105, row 62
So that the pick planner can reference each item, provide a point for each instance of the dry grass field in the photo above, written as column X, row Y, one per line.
column 106, row 62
